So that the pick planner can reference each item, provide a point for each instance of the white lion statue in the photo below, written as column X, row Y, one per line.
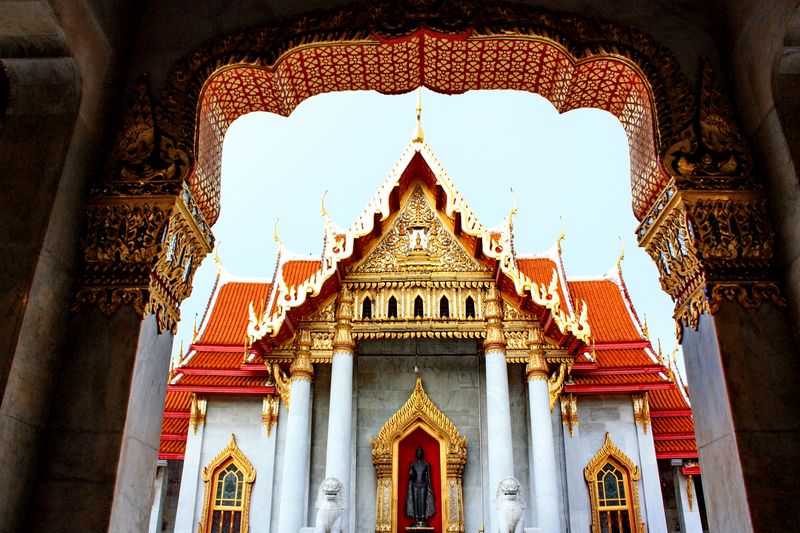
column 329, row 506
column 510, row 504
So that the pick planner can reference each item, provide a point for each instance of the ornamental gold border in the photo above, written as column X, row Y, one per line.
column 419, row 411
column 610, row 451
column 230, row 452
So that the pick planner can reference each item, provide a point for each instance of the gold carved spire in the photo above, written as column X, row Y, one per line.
column 301, row 367
column 343, row 338
column 621, row 254
column 418, row 135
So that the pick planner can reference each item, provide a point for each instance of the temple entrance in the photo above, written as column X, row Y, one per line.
column 419, row 426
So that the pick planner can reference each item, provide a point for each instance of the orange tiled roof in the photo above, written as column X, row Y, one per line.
column 174, row 425
column 227, row 323
column 178, row 401
column 672, row 424
column 667, row 399
column 618, row 379
column 540, row 271
column 215, row 360
column 608, row 315
column 172, row 447
column 223, row 381
column 621, row 358
column 296, row 272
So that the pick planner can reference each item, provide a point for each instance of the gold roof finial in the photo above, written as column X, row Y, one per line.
column 322, row 212
column 215, row 254
column 418, row 135
column 180, row 353
column 563, row 233
column 645, row 328
column 621, row 254
column 514, row 209
column 194, row 329
column 275, row 233
column 661, row 356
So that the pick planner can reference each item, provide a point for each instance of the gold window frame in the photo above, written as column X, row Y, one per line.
column 609, row 453
column 230, row 454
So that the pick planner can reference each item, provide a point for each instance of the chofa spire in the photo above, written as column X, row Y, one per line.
column 418, row 135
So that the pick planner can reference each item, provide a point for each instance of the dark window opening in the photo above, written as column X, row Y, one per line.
column 469, row 310
column 418, row 309
column 444, row 308
column 366, row 308
column 392, row 311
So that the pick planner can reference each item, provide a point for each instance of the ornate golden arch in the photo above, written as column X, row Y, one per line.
column 230, row 453
column 610, row 453
column 419, row 412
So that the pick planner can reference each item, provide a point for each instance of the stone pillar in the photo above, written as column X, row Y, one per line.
column 190, row 493
column 144, row 238
column 296, row 457
column 545, row 474
column 747, row 418
column 498, row 410
column 709, row 234
column 686, row 499
column 340, row 409
column 159, row 493
column 650, row 483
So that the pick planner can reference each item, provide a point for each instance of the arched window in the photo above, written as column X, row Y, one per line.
column 419, row 310
column 613, row 486
column 391, row 312
column 366, row 308
column 469, row 308
column 228, row 481
column 444, row 307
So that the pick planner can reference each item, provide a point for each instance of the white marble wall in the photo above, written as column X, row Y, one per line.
column 242, row 418
column 598, row 415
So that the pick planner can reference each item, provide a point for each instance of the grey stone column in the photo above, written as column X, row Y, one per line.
column 744, row 389
column 96, row 471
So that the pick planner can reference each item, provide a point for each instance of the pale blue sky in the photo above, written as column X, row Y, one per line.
column 573, row 166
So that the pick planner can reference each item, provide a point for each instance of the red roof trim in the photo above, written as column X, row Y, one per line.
column 593, row 370
column 171, row 456
column 217, row 347
column 622, row 345
column 691, row 470
column 176, row 414
column 173, row 436
column 621, row 389
column 221, row 389
column 677, row 455
column 678, row 435
column 232, row 372
column 663, row 413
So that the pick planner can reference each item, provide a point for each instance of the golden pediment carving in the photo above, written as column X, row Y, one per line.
column 418, row 240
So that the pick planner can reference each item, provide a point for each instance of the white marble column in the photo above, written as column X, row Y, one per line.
column 686, row 498
column 545, row 476
column 498, row 411
column 650, row 482
column 340, row 411
column 291, row 515
column 159, row 492
column 191, row 492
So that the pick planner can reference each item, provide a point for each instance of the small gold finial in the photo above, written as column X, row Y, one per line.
column 646, row 329
column 322, row 212
column 621, row 253
column 215, row 253
column 194, row 329
column 661, row 356
column 418, row 135
column 180, row 353
column 514, row 209
column 275, row 233
column 563, row 233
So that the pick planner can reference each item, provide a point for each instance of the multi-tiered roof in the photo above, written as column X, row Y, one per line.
column 591, row 319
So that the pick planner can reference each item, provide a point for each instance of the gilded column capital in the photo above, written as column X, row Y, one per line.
column 537, row 364
column 145, row 234
column 708, row 231
column 301, row 367
column 197, row 411
column 343, row 337
column 495, row 337
column 641, row 410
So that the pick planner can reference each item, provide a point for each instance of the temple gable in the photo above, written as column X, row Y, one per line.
column 418, row 240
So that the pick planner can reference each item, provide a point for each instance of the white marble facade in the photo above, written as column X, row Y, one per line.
column 383, row 379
